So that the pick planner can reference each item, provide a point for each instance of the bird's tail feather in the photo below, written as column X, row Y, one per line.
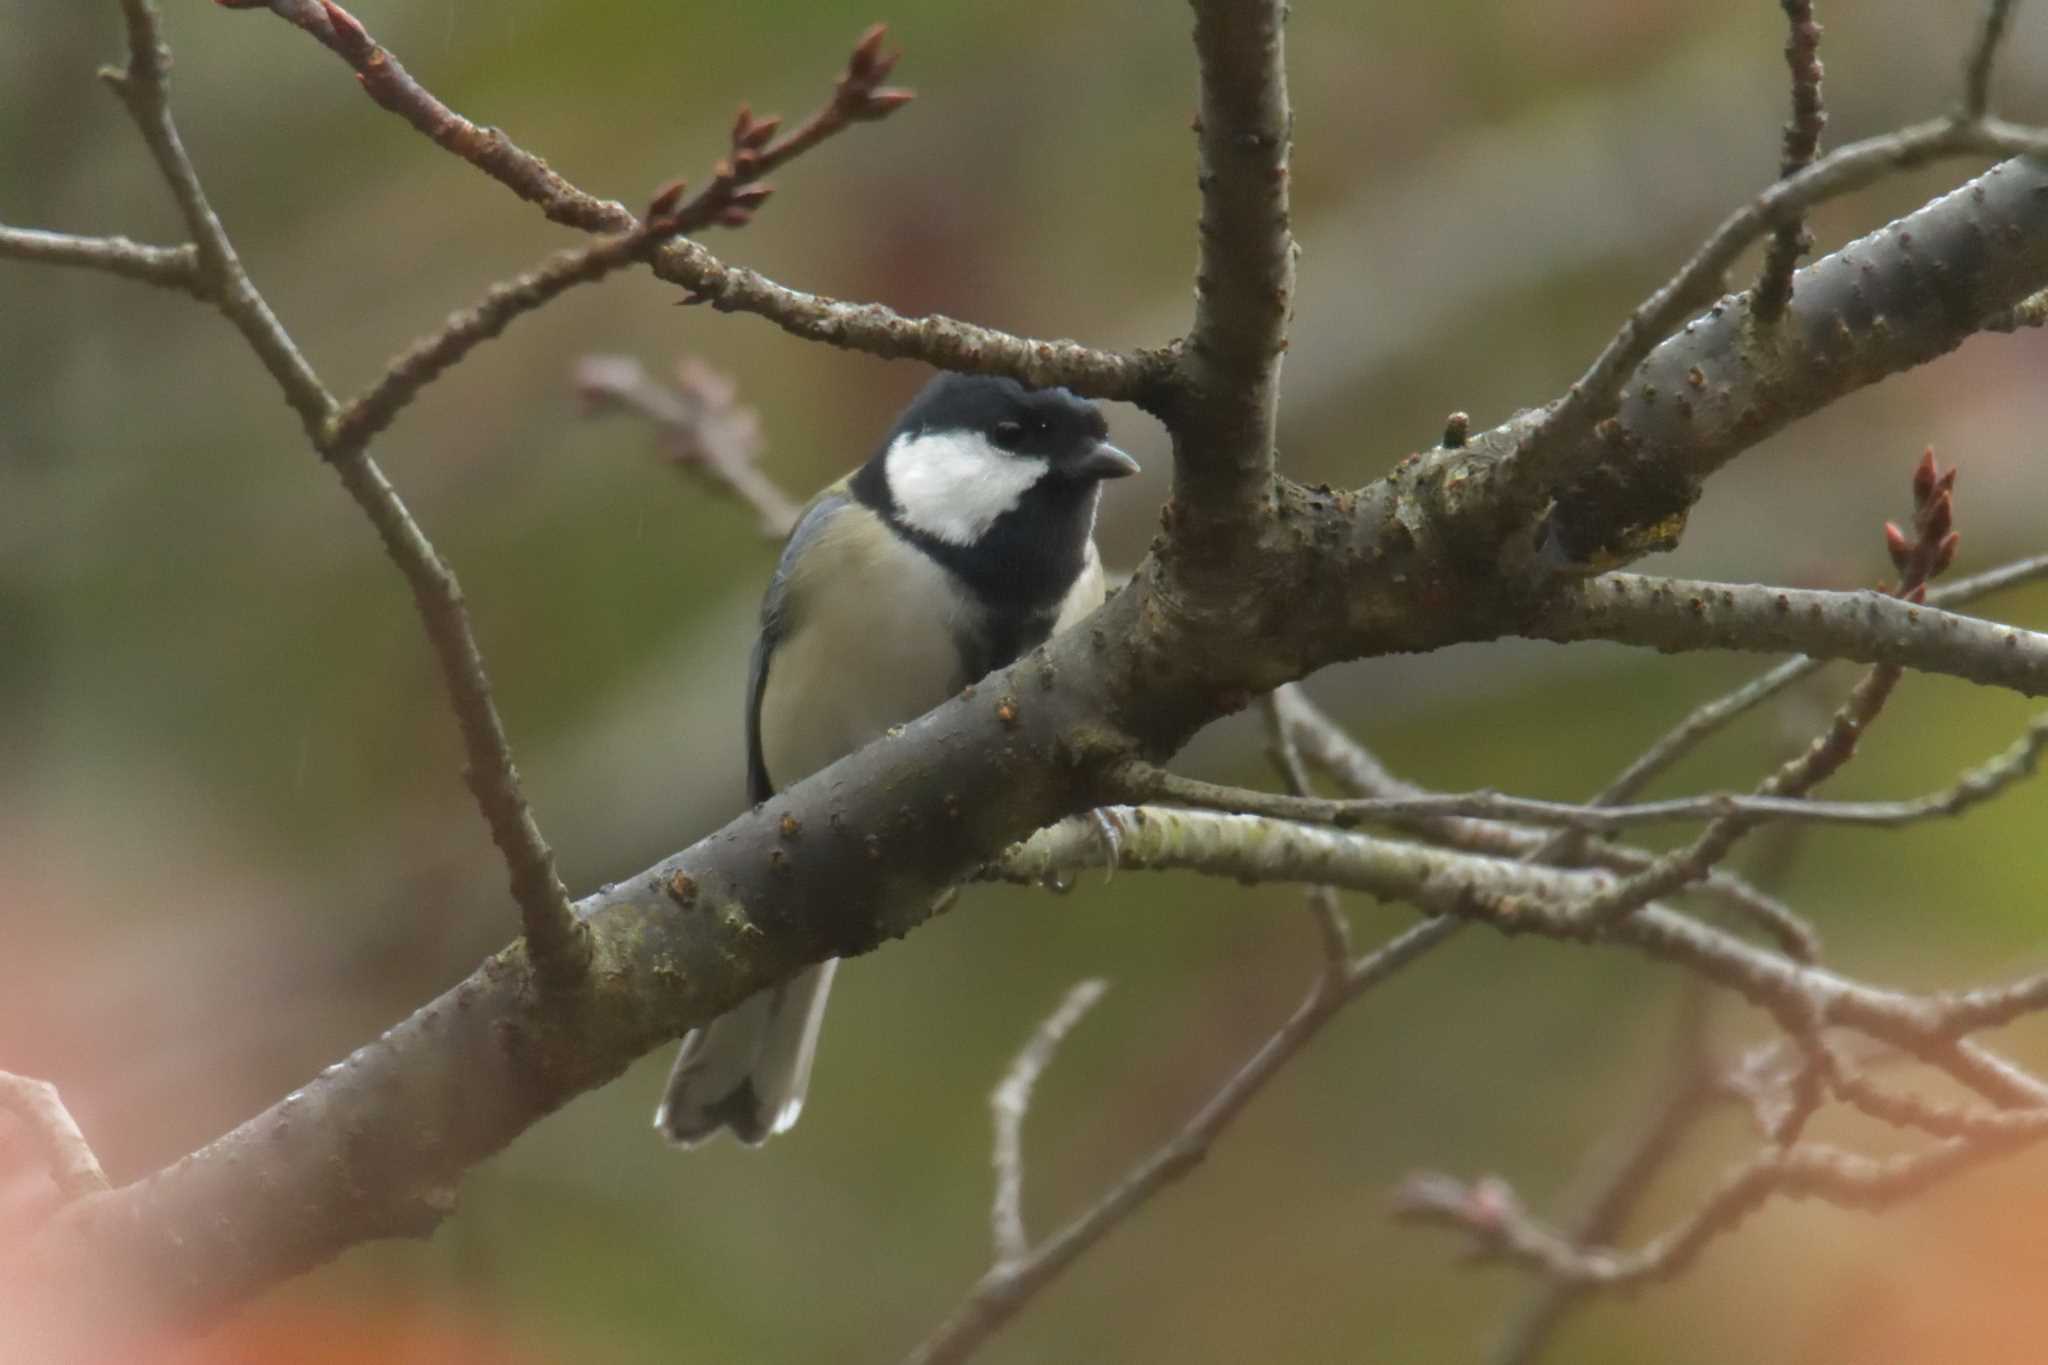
column 747, row 1070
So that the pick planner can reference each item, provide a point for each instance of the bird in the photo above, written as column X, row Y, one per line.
column 964, row 541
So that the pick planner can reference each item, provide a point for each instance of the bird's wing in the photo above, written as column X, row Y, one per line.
column 775, row 624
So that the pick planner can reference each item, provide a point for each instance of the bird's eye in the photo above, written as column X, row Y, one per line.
column 1009, row 435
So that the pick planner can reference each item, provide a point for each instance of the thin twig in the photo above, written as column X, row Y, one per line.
column 1323, row 902
column 1007, row 1288
column 1143, row 782
column 1491, row 1214
column 1517, row 897
column 1358, row 771
column 73, row 1168
column 1540, row 459
column 172, row 267
column 1010, row 1101
column 1801, row 139
column 1707, row 720
column 1145, row 377
column 558, row 942
column 420, row 364
column 1983, row 55
column 1919, row 559
column 1617, row 1178
column 699, row 427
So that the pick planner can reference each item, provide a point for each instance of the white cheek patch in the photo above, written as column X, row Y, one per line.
column 953, row 485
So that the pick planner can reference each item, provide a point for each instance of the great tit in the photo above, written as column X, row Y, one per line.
column 964, row 541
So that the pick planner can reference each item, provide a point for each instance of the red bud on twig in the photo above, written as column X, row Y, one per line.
column 883, row 103
column 1924, row 476
column 865, row 50
column 352, row 40
column 1896, row 545
column 1945, row 553
column 666, row 198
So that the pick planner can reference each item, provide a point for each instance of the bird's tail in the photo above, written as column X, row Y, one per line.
column 747, row 1070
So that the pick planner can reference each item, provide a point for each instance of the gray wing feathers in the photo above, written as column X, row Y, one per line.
column 747, row 1070
column 775, row 623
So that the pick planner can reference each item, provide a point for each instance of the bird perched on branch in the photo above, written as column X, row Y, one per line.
column 966, row 540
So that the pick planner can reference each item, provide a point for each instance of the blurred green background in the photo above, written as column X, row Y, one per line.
column 233, row 842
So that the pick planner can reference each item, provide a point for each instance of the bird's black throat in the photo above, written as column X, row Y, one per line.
column 1019, row 572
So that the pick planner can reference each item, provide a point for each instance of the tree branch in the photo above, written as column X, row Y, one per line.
column 1009, row 1285
column 1140, row 377
column 1708, row 719
column 1491, row 1213
column 171, row 267
column 1672, row 614
column 1983, row 55
column 1010, row 1102
column 1697, row 395
column 73, row 1168
column 1801, row 139
column 698, row 426
column 560, row 944
column 1244, row 281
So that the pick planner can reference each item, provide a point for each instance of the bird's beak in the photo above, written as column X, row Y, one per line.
column 1105, row 462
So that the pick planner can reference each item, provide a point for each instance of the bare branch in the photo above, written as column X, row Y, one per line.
column 1919, row 558
column 388, row 83
column 1545, row 453
column 558, row 942
column 1244, row 281
column 1681, row 614
column 1007, row 1288
column 1983, row 54
column 73, row 1168
column 1358, row 771
column 1491, row 1213
column 1708, row 719
column 698, row 426
column 1011, row 1101
column 556, row 939
column 1142, row 782
column 1617, row 1177
column 172, row 267
column 1323, row 902
column 1518, row 897
column 1773, row 289
column 430, row 357
column 1141, row 377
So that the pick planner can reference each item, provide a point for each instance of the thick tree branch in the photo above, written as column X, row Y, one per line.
column 172, row 267
column 1669, row 401
column 1244, row 281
